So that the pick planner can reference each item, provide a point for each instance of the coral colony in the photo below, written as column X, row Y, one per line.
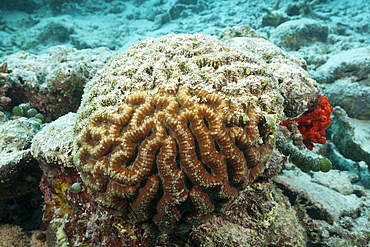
column 172, row 129
column 158, row 154
column 171, row 133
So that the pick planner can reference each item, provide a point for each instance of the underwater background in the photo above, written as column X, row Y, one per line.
column 51, row 49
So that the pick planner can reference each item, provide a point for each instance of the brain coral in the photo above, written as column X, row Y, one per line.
column 173, row 128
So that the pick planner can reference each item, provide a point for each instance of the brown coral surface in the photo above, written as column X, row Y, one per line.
column 174, row 128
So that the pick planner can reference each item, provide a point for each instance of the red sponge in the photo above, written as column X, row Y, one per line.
column 313, row 124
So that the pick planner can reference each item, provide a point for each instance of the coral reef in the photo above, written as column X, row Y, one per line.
column 168, row 137
column 259, row 215
column 24, row 110
column 299, row 91
column 72, row 216
column 312, row 124
column 51, row 83
column 103, row 134
column 53, row 144
column 19, row 173
column 4, row 71
column 173, row 128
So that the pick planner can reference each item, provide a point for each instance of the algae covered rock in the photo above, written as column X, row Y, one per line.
column 341, row 133
column 346, row 82
column 295, row 34
column 53, row 144
column 327, row 206
column 52, row 83
column 19, row 172
column 353, row 63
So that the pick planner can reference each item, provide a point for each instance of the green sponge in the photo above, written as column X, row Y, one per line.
column 18, row 111
column 325, row 164
column 21, row 110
